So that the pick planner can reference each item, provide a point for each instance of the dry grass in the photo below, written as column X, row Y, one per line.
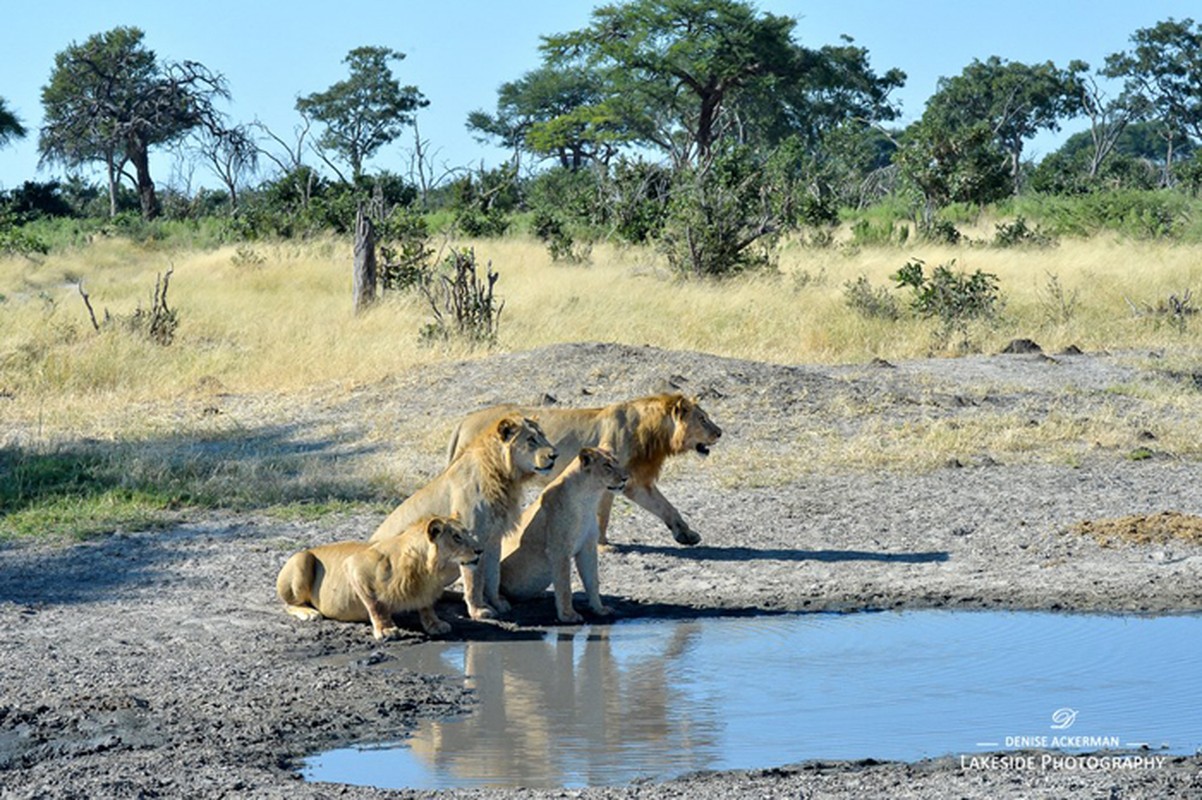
column 124, row 421
column 284, row 326
column 1162, row 528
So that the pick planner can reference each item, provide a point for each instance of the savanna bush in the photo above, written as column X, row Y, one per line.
column 953, row 298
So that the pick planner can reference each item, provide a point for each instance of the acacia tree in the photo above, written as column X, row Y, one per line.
column 10, row 126
column 1015, row 100
column 673, row 66
column 110, row 100
column 556, row 112
column 1164, row 71
column 366, row 111
column 684, row 74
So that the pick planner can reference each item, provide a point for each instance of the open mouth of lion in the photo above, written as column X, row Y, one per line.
column 473, row 562
column 702, row 449
column 617, row 488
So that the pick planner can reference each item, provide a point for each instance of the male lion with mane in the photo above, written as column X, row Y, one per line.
column 559, row 527
column 483, row 489
column 641, row 433
column 362, row 582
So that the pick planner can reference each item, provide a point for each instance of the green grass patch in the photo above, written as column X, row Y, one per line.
column 69, row 495
column 315, row 511
column 73, row 494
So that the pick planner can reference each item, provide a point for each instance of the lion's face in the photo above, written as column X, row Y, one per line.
column 602, row 465
column 694, row 429
column 528, row 446
column 453, row 542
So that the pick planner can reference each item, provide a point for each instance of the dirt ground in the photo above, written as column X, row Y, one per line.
column 160, row 664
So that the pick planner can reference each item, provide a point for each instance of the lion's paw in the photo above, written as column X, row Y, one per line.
column 686, row 535
column 502, row 605
column 602, row 611
column 482, row 612
column 438, row 628
column 391, row 632
column 570, row 616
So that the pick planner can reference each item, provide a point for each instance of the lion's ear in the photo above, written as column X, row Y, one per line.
column 434, row 528
column 508, row 429
column 681, row 406
column 587, row 456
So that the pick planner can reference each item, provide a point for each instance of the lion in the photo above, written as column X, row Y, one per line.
column 483, row 489
column 561, row 525
column 369, row 582
column 641, row 434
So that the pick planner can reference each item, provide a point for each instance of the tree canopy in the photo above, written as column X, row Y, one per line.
column 367, row 110
column 10, row 127
column 683, row 74
column 1015, row 100
column 1164, row 71
column 110, row 100
column 553, row 112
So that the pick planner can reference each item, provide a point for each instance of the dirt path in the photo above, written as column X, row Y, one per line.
column 160, row 664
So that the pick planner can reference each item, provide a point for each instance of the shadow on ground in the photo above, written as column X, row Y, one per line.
column 708, row 553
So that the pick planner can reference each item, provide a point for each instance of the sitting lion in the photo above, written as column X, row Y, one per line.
column 361, row 582
column 640, row 433
column 483, row 489
column 561, row 525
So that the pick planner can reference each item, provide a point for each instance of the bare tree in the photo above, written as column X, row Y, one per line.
column 231, row 154
column 422, row 172
column 1107, row 120
column 289, row 156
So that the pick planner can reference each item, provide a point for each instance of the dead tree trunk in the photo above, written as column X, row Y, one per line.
column 365, row 262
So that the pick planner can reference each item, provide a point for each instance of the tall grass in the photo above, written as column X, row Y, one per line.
column 285, row 324
column 105, row 429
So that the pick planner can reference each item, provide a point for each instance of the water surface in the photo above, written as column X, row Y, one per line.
column 604, row 705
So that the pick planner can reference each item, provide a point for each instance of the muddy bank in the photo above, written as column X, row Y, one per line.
column 160, row 663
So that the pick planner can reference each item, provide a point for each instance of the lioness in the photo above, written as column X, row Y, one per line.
column 361, row 582
column 640, row 433
column 561, row 525
column 483, row 489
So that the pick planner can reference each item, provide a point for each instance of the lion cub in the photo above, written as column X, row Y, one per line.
column 559, row 526
column 362, row 581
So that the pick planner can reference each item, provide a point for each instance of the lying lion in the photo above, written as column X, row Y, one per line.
column 361, row 582
column 641, row 433
column 561, row 525
column 483, row 489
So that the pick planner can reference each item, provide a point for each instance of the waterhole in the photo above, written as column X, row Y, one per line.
column 605, row 705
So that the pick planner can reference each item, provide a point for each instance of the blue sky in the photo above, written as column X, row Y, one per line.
column 460, row 51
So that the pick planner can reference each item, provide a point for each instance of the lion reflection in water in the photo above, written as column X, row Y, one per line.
column 565, row 709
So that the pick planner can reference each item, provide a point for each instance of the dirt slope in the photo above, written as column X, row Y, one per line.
column 160, row 663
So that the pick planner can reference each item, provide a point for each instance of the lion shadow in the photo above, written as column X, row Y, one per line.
column 736, row 554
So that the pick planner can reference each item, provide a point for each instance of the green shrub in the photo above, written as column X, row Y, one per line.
column 875, row 302
column 404, row 242
column 1136, row 214
column 952, row 298
column 867, row 233
column 1019, row 234
column 721, row 217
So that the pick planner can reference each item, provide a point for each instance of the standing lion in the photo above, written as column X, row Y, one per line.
column 483, row 489
column 641, row 434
